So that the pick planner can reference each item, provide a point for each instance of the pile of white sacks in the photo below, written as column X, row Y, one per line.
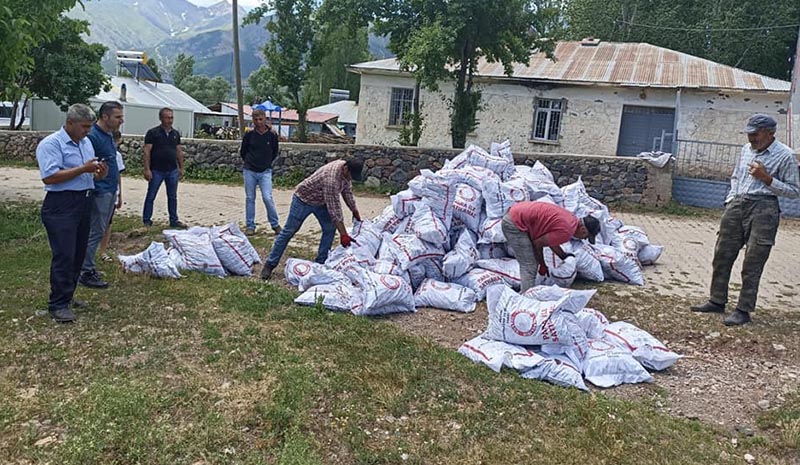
column 440, row 244
column 218, row 251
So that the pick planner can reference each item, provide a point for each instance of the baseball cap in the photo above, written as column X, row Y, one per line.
column 593, row 226
column 760, row 121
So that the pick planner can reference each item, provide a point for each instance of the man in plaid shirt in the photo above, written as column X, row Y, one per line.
column 318, row 195
column 766, row 170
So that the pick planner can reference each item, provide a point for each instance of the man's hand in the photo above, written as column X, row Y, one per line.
column 543, row 271
column 101, row 171
column 148, row 175
column 91, row 166
column 356, row 215
column 347, row 240
column 118, row 205
column 759, row 171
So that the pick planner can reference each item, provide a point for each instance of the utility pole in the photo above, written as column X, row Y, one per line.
column 794, row 99
column 237, row 71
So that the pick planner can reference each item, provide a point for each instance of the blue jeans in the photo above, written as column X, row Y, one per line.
column 298, row 212
column 170, row 178
column 102, row 209
column 263, row 181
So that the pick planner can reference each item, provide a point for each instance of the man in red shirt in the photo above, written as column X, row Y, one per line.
column 530, row 226
column 318, row 195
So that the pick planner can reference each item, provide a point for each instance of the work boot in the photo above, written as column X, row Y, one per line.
column 76, row 303
column 737, row 318
column 178, row 224
column 266, row 272
column 62, row 315
column 250, row 232
column 708, row 307
column 147, row 223
column 277, row 230
column 92, row 279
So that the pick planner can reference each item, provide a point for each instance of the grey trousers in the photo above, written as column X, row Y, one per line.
column 753, row 223
column 520, row 241
column 102, row 209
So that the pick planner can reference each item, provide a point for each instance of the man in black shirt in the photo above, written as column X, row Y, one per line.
column 163, row 162
column 259, row 149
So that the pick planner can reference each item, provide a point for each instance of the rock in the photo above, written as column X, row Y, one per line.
column 372, row 181
column 779, row 347
column 749, row 458
column 763, row 404
column 745, row 430
column 724, row 456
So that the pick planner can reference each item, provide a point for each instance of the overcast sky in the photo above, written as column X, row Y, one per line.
column 245, row 3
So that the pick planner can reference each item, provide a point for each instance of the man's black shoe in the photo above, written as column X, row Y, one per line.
column 147, row 223
column 737, row 318
column 92, row 279
column 79, row 303
column 62, row 315
column 178, row 224
column 266, row 272
column 708, row 307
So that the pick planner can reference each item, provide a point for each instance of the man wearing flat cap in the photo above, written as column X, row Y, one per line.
column 318, row 195
column 766, row 170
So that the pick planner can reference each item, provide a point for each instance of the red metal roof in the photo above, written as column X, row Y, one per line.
column 623, row 64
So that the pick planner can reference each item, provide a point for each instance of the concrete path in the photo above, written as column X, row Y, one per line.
column 684, row 268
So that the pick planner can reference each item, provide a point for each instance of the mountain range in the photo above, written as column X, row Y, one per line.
column 165, row 28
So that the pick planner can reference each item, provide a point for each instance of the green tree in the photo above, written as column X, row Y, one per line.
column 718, row 30
column 335, row 47
column 206, row 90
column 444, row 40
column 292, row 31
column 260, row 87
column 22, row 28
column 183, row 68
column 66, row 69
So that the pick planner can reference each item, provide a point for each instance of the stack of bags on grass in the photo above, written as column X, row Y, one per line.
column 547, row 333
column 440, row 243
column 218, row 251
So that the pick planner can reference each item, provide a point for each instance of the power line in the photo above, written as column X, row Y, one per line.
column 709, row 30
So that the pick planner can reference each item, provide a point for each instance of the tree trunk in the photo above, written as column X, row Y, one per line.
column 12, row 124
column 458, row 130
column 416, row 122
column 22, row 113
column 302, row 130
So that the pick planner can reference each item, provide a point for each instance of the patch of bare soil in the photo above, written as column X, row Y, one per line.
column 728, row 376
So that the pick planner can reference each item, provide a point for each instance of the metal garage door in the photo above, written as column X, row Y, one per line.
column 645, row 129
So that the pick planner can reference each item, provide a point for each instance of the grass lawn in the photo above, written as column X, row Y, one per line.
column 205, row 370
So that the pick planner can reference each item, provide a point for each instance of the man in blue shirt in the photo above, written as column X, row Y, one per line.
column 68, row 168
column 105, row 190
column 766, row 170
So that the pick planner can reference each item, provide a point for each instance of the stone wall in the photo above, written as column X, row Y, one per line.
column 611, row 179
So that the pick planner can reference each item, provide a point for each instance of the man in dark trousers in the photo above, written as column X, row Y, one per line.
column 531, row 226
column 318, row 195
column 259, row 149
column 104, row 197
column 163, row 162
column 68, row 168
column 766, row 170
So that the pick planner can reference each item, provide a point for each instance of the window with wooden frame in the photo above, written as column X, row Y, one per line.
column 547, row 116
column 401, row 103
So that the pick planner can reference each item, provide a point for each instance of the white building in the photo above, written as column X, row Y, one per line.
column 142, row 101
column 346, row 110
column 597, row 98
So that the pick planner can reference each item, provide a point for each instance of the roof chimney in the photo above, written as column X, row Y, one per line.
column 590, row 42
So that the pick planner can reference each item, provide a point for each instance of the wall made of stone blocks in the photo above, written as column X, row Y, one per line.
column 610, row 179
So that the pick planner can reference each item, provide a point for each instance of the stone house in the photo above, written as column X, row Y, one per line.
column 598, row 98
